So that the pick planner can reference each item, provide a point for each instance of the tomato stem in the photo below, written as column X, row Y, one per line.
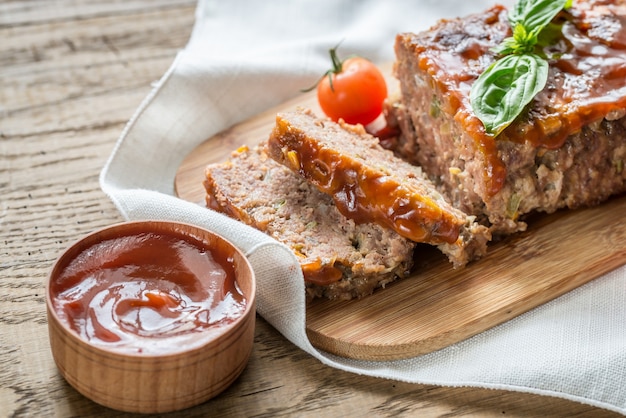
column 337, row 66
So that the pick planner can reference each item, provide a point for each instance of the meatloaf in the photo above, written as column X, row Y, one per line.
column 369, row 184
column 340, row 259
column 566, row 150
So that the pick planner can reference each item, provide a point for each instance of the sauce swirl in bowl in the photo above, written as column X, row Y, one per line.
column 147, row 293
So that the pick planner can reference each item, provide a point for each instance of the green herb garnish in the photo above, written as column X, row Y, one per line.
column 506, row 87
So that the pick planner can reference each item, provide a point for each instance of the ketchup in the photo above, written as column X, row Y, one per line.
column 151, row 292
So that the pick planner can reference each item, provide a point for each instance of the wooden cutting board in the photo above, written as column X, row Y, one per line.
column 438, row 306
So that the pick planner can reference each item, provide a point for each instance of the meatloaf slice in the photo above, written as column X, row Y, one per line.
column 566, row 150
column 369, row 184
column 340, row 259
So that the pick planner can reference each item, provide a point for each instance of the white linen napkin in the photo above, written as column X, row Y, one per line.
column 247, row 56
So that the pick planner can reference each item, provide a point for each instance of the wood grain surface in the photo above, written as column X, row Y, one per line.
column 438, row 305
column 72, row 72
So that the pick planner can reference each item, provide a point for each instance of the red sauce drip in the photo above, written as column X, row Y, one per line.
column 147, row 293
column 316, row 272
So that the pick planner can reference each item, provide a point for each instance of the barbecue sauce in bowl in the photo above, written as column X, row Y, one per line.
column 148, row 292
column 151, row 316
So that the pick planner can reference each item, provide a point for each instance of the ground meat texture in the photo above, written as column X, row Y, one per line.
column 369, row 184
column 566, row 150
column 339, row 258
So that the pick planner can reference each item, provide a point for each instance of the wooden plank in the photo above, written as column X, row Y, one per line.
column 438, row 306
column 28, row 12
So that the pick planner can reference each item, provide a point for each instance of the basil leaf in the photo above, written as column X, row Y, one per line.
column 534, row 15
column 502, row 92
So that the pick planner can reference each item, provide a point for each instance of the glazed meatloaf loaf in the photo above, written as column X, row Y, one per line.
column 566, row 150
column 370, row 184
column 339, row 258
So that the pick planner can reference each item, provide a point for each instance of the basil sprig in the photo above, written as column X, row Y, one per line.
column 508, row 85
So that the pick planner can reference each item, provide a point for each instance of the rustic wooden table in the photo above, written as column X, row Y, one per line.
column 72, row 72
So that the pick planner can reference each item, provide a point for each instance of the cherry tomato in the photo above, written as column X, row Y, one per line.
column 353, row 90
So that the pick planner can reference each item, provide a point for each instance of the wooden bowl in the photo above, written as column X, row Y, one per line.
column 168, row 372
